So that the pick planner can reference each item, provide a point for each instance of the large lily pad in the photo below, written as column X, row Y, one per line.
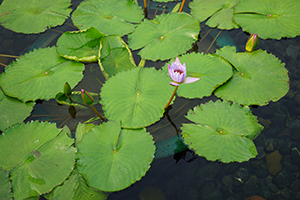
column 81, row 46
column 269, row 18
column 75, row 188
column 164, row 37
column 258, row 78
column 211, row 70
column 34, row 16
column 39, row 75
column 222, row 131
column 9, row 107
column 39, row 155
column 115, row 56
column 219, row 11
column 114, row 17
column 111, row 158
column 136, row 97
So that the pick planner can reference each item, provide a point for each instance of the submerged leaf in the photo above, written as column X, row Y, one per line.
column 258, row 78
column 34, row 16
column 111, row 158
column 222, row 131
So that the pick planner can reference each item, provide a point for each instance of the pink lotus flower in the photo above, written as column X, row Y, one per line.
column 177, row 72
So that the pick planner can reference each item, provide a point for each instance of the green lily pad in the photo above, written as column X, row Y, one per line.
column 5, row 186
column 34, row 16
column 39, row 155
column 219, row 11
column 222, row 131
column 114, row 17
column 269, row 18
column 39, row 75
column 164, row 37
column 111, row 158
column 258, row 77
column 115, row 56
column 80, row 45
column 136, row 97
column 211, row 70
column 75, row 188
column 9, row 107
column 82, row 129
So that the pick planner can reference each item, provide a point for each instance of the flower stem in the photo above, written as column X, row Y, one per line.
column 95, row 111
column 181, row 7
column 175, row 90
column 145, row 9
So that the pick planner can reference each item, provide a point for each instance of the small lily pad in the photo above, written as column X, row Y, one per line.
column 258, row 77
column 269, row 18
column 219, row 11
column 164, row 37
column 34, row 16
column 111, row 158
column 81, row 46
column 38, row 155
column 113, row 17
column 39, row 75
column 115, row 55
column 211, row 70
column 9, row 107
column 222, row 131
column 75, row 188
column 136, row 97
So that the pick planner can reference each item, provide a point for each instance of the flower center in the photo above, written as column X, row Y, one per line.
column 178, row 71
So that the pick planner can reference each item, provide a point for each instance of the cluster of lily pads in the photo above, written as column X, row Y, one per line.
column 37, row 156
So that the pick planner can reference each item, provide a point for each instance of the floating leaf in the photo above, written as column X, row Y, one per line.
column 81, row 130
column 34, row 16
column 211, row 70
column 219, row 11
column 115, row 55
column 39, row 75
column 269, row 18
column 5, row 186
column 40, row 155
column 111, row 158
column 75, row 188
column 110, row 17
column 164, row 37
column 259, row 78
column 136, row 97
column 222, row 131
column 9, row 107
column 81, row 46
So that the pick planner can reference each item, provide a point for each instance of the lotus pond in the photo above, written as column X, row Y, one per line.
column 109, row 100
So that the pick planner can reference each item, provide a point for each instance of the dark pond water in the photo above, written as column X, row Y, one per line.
column 274, row 174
